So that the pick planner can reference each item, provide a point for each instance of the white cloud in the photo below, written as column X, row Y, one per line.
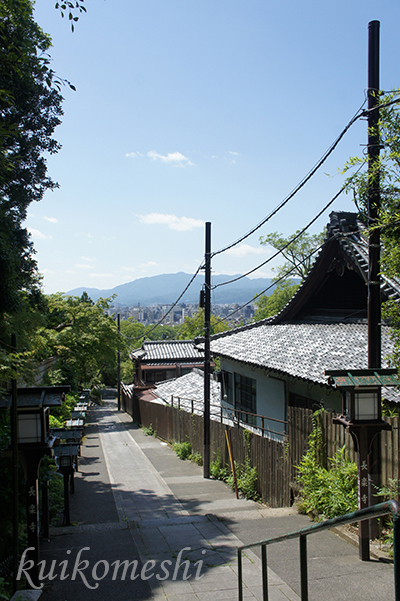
column 244, row 250
column 148, row 264
column 86, row 259
column 83, row 234
column 130, row 269
column 51, row 219
column 233, row 152
column 172, row 221
column 133, row 155
column 176, row 158
column 38, row 234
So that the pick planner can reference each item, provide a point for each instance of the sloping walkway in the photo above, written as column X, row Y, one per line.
column 136, row 501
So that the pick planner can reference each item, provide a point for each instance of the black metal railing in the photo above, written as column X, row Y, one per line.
column 237, row 416
column 375, row 511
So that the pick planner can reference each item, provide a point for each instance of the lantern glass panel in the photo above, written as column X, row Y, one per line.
column 366, row 405
column 65, row 461
column 347, row 397
column 29, row 427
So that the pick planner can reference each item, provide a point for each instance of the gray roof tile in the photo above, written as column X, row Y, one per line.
column 189, row 386
column 168, row 350
column 302, row 350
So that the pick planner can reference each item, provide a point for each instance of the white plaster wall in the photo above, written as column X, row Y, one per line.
column 271, row 394
column 331, row 401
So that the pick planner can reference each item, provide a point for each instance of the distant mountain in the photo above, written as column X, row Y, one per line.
column 166, row 288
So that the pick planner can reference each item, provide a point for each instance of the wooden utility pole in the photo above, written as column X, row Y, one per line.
column 369, row 459
column 207, row 318
column 374, row 200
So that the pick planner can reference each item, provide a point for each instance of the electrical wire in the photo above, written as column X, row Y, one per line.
column 286, row 245
column 277, row 281
column 299, row 186
column 201, row 266
column 282, row 277
column 379, row 106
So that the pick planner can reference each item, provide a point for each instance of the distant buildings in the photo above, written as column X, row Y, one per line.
column 154, row 313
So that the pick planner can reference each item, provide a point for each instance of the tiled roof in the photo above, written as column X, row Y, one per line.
column 351, row 234
column 355, row 245
column 189, row 386
column 168, row 350
column 302, row 350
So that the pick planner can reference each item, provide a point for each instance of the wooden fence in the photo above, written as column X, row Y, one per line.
column 275, row 461
column 336, row 436
column 176, row 425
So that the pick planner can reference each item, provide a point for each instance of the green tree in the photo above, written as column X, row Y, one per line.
column 133, row 334
column 266, row 306
column 30, row 110
column 387, row 168
column 193, row 327
column 71, row 8
column 83, row 337
column 299, row 258
column 296, row 254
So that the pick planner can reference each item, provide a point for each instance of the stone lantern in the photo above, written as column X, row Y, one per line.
column 34, row 443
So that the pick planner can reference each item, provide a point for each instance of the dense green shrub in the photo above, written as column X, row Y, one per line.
column 183, row 449
column 63, row 412
column 325, row 491
column 196, row 458
column 328, row 492
column 149, row 430
column 246, row 475
column 246, row 479
column 54, row 480
column 217, row 469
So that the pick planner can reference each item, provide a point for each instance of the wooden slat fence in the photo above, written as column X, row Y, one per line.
column 336, row 436
column 175, row 425
column 275, row 461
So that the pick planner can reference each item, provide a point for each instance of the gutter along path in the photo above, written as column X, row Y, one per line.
column 135, row 500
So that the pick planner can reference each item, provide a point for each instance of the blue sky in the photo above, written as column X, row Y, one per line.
column 191, row 111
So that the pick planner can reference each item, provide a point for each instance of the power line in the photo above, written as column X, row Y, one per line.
column 299, row 186
column 379, row 106
column 281, row 278
column 286, row 245
column 201, row 266
column 277, row 281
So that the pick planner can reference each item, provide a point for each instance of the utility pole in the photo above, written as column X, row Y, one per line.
column 369, row 453
column 374, row 201
column 119, row 362
column 207, row 318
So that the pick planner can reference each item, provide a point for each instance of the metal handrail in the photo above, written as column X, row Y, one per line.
column 235, row 411
column 362, row 514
